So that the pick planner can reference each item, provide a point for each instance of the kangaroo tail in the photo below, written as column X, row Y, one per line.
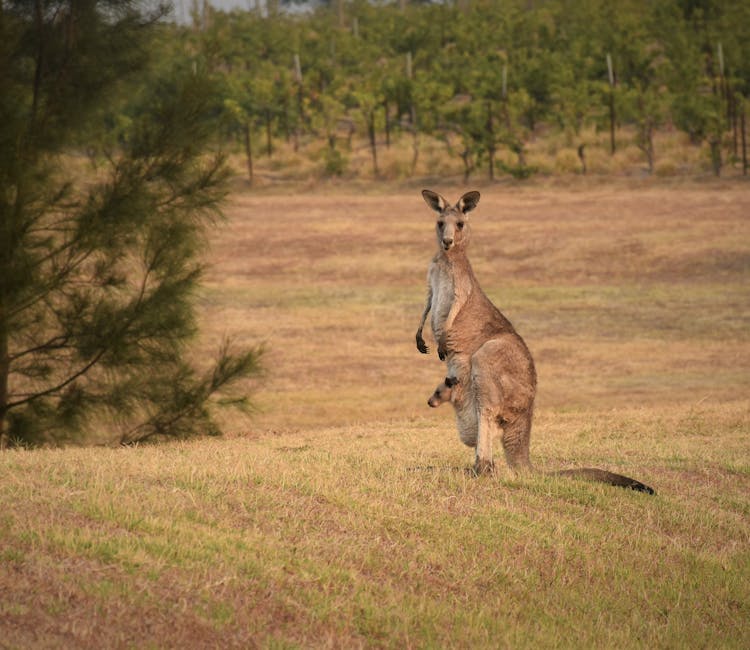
column 603, row 476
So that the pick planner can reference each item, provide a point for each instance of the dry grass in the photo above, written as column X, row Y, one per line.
column 342, row 515
column 549, row 153
column 637, row 288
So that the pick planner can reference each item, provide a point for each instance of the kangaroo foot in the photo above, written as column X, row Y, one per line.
column 482, row 466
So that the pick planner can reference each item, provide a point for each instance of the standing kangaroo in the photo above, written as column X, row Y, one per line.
column 480, row 345
column 484, row 353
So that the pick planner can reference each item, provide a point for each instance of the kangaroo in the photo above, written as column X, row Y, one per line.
column 484, row 353
column 451, row 390
column 478, row 342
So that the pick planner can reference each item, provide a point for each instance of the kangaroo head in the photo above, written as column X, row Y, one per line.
column 443, row 392
column 452, row 227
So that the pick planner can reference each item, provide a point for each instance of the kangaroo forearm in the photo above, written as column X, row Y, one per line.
column 421, row 345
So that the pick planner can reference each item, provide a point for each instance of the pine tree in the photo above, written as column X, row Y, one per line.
column 98, row 268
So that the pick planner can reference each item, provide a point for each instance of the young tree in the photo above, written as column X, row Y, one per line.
column 368, row 100
column 648, row 106
column 98, row 269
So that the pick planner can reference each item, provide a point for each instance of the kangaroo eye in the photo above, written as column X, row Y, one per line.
column 460, row 225
column 440, row 224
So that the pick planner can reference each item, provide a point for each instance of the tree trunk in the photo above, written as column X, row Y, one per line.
column 490, row 142
column 387, row 125
column 373, row 144
column 6, row 248
column 40, row 62
column 612, row 119
column 415, row 151
column 743, row 136
column 646, row 134
column 4, row 372
column 300, row 102
column 612, row 116
column 269, row 143
column 415, row 140
column 715, row 143
column 248, row 153
column 735, row 125
column 521, row 156
column 285, row 121
column 468, row 165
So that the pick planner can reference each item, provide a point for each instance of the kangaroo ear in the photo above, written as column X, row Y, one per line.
column 468, row 201
column 434, row 200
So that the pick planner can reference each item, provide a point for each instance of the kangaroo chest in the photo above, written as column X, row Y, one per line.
column 452, row 285
column 443, row 294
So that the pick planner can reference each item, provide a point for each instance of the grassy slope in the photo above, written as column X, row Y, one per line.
column 342, row 515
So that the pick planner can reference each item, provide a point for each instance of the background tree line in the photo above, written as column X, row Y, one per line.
column 480, row 75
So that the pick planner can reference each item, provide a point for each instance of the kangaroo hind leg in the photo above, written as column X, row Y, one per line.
column 488, row 395
column 516, row 440
column 483, row 463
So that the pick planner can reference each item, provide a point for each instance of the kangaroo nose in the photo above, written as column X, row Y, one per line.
column 447, row 241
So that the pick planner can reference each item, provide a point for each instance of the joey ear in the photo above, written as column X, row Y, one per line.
column 450, row 382
column 468, row 202
column 434, row 200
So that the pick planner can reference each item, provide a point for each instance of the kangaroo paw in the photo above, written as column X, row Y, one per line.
column 421, row 345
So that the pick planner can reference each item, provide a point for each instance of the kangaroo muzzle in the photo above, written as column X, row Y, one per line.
column 448, row 236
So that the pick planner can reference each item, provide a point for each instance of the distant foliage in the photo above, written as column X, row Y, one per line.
column 490, row 74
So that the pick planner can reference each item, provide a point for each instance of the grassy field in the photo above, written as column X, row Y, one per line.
column 341, row 515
